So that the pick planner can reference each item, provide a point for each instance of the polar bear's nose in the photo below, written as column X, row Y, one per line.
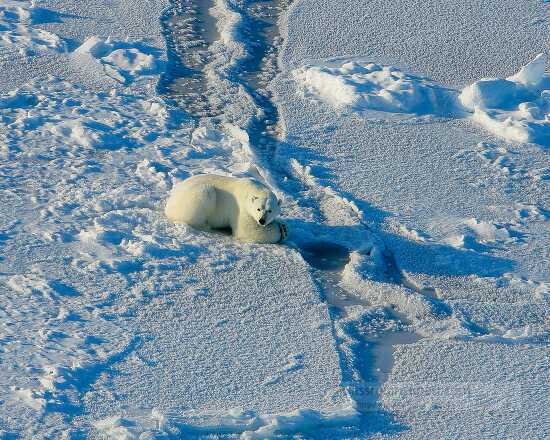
column 261, row 221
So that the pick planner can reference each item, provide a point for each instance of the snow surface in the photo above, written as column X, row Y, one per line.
column 375, row 87
column 17, row 20
column 113, row 319
column 412, row 298
column 461, row 204
column 121, row 61
column 516, row 108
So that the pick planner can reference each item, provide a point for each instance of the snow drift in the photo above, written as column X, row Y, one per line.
column 371, row 86
column 516, row 108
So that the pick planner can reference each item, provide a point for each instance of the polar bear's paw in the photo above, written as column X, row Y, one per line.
column 283, row 230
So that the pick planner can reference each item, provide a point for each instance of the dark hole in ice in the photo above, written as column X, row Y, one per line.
column 325, row 255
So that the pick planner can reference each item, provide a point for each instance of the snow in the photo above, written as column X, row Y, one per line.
column 460, row 206
column 96, row 47
column 486, row 231
column 104, row 298
column 532, row 74
column 108, row 262
column 17, row 21
column 516, row 108
column 248, row 424
column 375, row 87
column 120, row 60
column 411, row 300
column 130, row 24
column 434, row 387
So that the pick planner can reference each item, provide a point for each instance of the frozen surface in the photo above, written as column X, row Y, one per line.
column 54, row 29
column 453, row 43
column 113, row 320
column 516, row 108
column 19, row 33
column 121, row 61
column 460, row 200
column 432, row 389
column 412, row 298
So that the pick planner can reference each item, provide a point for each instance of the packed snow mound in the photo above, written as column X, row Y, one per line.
column 516, row 108
column 370, row 86
column 487, row 231
column 123, row 62
column 17, row 30
column 471, row 233
column 96, row 47
column 532, row 74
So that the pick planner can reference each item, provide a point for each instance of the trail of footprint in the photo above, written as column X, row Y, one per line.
column 189, row 31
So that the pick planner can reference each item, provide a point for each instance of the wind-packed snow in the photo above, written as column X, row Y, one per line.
column 19, row 31
column 462, row 204
column 516, row 108
column 247, row 424
column 121, row 61
column 376, row 87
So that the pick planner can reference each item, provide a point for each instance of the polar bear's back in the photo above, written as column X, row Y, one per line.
column 190, row 203
column 208, row 201
column 234, row 185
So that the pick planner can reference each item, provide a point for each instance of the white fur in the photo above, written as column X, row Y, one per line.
column 213, row 202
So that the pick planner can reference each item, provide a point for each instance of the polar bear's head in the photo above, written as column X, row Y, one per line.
column 264, row 207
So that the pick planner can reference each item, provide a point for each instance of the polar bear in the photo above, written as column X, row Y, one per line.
column 210, row 201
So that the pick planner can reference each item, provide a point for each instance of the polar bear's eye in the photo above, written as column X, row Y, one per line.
column 269, row 211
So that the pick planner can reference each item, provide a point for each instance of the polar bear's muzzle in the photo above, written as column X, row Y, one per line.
column 262, row 221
